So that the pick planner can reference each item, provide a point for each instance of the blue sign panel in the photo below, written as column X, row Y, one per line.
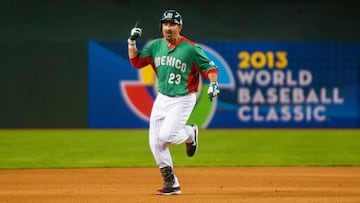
column 263, row 85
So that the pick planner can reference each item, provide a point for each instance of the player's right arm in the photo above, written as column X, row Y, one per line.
column 135, row 33
column 138, row 59
column 133, row 52
column 132, row 49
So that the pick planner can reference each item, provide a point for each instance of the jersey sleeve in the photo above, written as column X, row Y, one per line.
column 203, row 63
column 143, row 58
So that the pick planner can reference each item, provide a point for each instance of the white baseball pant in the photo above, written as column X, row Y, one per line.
column 168, row 125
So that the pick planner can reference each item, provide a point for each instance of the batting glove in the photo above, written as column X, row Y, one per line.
column 135, row 33
column 213, row 90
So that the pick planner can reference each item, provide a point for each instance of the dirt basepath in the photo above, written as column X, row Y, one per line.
column 232, row 184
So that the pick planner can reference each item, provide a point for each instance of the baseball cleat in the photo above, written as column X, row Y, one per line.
column 169, row 191
column 191, row 148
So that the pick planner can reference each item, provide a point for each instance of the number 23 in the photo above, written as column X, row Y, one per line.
column 174, row 78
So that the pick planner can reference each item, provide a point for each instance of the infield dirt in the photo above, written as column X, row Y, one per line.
column 203, row 184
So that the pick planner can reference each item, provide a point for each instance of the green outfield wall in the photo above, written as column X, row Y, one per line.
column 43, row 44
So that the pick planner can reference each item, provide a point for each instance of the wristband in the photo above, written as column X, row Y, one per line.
column 131, row 42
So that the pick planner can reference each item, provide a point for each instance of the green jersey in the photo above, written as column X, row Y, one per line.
column 178, row 68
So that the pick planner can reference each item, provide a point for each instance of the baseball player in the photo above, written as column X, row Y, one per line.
column 178, row 63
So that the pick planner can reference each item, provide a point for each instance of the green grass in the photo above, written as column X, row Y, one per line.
column 50, row 148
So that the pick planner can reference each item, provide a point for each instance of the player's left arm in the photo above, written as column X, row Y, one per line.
column 213, row 90
column 213, row 75
column 211, row 71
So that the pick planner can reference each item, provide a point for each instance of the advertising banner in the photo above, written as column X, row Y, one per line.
column 262, row 84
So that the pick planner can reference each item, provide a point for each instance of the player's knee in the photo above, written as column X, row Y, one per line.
column 163, row 140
